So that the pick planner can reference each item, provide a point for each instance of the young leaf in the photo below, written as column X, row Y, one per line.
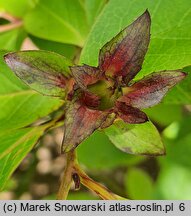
column 19, row 105
column 130, row 114
column 80, row 122
column 142, row 139
column 124, row 54
column 45, row 72
column 180, row 93
column 9, row 83
column 150, row 90
column 85, row 75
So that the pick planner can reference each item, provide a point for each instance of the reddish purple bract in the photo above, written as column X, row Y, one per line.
column 96, row 96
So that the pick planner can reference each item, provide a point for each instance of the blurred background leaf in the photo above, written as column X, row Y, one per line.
column 12, row 40
column 65, row 24
column 98, row 153
column 17, row 8
column 66, row 50
column 174, row 183
column 16, row 144
column 139, row 184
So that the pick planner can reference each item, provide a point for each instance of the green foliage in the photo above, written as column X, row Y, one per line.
column 98, row 153
column 136, row 139
column 17, row 8
column 179, row 146
column 65, row 24
column 15, row 145
column 12, row 40
column 93, row 9
column 139, row 184
column 174, row 183
column 160, row 113
column 66, row 50
column 20, row 106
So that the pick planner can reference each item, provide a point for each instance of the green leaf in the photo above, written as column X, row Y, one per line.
column 12, row 40
column 66, row 50
column 142, row 139
column 17, row 8
column 180, row 150
column 170, row 47
column 97, row 152
column 93, row 9
column 62, row 21
column 160, row 114
column 24, row 107
column 179, row 146
column 174, row 182
column 15, row 145
column 45, row 72
column 175, row 167
column 139, row 185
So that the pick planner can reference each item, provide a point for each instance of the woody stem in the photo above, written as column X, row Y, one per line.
column 67, row 176
column 73, row 169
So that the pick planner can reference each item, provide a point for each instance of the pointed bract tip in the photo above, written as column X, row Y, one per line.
column 145, row 18
column 147, row 15
column 8, row 58
column 184, row 74
column 180, row 74
column 147, row 11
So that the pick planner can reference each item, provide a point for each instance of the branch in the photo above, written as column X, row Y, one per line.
column 67, row 176
column 74, row 172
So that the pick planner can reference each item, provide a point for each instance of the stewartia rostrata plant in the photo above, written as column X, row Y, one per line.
column 96, row 96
